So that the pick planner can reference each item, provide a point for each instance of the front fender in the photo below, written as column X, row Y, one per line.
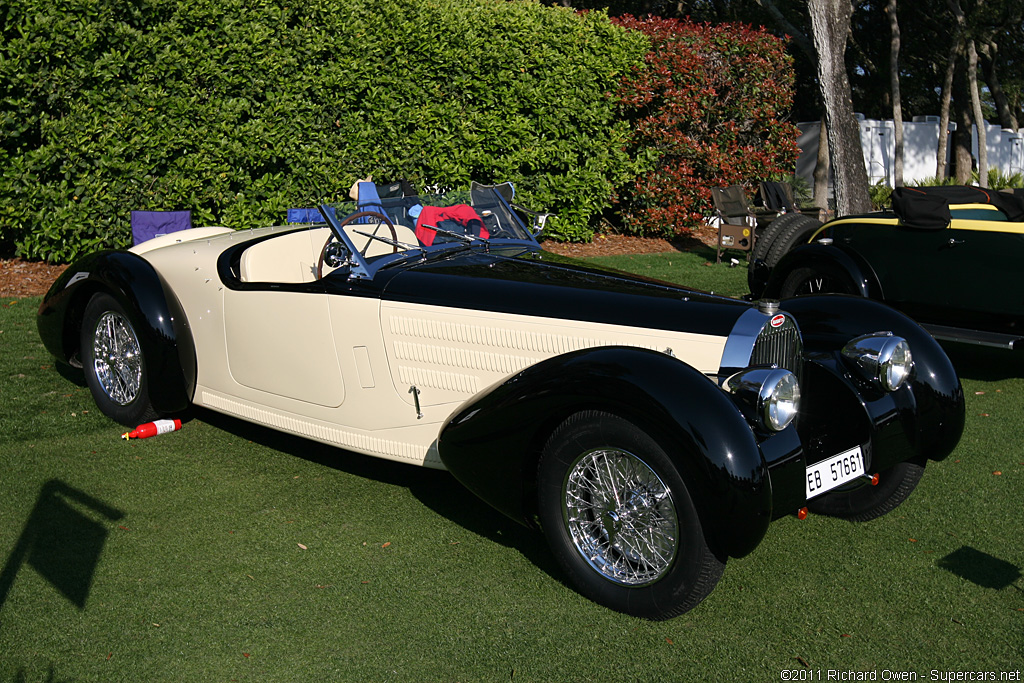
column 492, row 444
column 152, row 308
column 828, row 258
column 930, row 406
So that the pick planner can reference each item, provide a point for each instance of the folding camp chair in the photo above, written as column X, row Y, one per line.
column 484, row 200
column 736, row 220
column 397, row 189
column 368, row 200
column 775, row 196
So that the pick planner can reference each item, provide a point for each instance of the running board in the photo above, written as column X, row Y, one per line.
column 956, row 334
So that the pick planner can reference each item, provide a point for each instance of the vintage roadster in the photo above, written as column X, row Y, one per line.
column 946, row 256
column 651, row 431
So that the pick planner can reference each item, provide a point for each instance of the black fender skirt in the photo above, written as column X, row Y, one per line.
column 822, row 258
column 492, row 444
column 924, row 419
column 152, row 308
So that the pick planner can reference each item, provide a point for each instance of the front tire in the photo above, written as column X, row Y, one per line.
column 113, row 362
column 868, row 502
column 620, row 521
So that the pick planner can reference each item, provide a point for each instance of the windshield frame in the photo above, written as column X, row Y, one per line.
column 490, row 207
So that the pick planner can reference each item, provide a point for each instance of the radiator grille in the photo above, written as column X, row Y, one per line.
column 779, row 346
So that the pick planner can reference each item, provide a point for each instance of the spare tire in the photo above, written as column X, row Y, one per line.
column 782, row 235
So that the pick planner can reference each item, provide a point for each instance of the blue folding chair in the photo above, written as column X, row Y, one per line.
column 308, row 215
column 369, row 200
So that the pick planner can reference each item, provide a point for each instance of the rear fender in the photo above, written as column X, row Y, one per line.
column 493, row 444
column 827, row 258
column 152, row 308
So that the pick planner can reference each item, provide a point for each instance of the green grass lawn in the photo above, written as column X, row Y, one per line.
column 695, row 269
column 225, row 552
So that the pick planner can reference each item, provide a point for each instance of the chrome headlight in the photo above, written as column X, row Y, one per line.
column 769, row 396
column 882, row 358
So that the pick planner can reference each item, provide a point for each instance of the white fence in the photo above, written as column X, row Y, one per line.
column 920, row 143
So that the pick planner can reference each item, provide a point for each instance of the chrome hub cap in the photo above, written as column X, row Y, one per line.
column 621, row 517
column 117, row 359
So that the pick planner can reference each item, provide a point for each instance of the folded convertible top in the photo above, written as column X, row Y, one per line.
column 928, row 207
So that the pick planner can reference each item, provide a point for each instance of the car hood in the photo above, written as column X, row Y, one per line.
column 541, row 284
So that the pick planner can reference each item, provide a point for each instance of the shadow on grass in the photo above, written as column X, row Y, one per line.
column 71, row 374
column 980, row 568
column 51, row 677
column 62, row 540
column 709, row 253
column 437, row 489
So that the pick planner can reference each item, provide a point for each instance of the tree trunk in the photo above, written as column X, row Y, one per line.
column 821, row 172
column 975, row 99
column 979, row 119
column 941, row 171
column 830, row 23
column 988, row 53
column 962, row 159
column 894, row 82
column 799, row 39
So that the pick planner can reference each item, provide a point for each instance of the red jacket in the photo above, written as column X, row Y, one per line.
column 461, row 218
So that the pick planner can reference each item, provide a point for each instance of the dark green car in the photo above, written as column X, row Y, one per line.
column 949, row 257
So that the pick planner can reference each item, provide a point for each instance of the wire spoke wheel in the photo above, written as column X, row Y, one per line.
column 621, row 517
column 117, row 358
column 114, row 362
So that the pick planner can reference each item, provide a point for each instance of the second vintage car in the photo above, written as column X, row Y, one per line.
column 947, row 256
column 651, row 431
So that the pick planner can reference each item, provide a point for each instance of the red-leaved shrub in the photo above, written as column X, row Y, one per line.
column 708, row 109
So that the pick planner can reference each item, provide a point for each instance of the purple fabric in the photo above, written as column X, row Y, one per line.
column 149, row 224
column 308, row 215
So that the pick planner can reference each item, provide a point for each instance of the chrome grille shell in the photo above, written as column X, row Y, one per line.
column 763, row 339
column 780, row 346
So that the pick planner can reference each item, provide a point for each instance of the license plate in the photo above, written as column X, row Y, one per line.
column 836, row 471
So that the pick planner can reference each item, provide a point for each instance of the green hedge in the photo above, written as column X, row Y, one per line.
column 240, row 109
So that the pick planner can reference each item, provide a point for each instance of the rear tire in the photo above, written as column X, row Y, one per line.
column 868, row 502
column 804, row 281
column 620, row 521
column 113, row 362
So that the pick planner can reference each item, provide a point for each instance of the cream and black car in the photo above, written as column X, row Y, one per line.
column 651, row 431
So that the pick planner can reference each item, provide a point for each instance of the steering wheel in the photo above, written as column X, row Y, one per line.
column 494, row 227
column 502, row 233
column 349, row 219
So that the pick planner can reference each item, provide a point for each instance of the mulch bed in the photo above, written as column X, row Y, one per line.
column 615, row 245
column 26, row 278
